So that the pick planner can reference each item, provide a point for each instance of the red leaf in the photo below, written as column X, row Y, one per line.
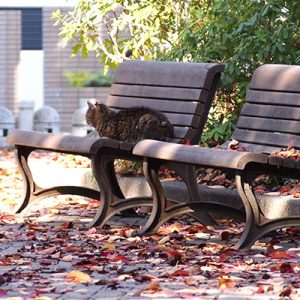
column 279, row 255
column 38, row 228
column 3, row 292
column 7, row 218
column 286, row 268
column 120, row 258
column 180, row 273
column 225, row 236
column 260, row 290
column 173, row 253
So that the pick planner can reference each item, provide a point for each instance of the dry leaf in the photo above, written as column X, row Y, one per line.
column 225, row 282
column 109, row 246
column 233, row 145
column 47, row 251
column 78, row 277
column 152, row 287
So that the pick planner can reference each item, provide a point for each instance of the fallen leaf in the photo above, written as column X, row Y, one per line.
column 109, row 246
column 225, row 282
column 78, row 277
column 286, row 268
column 260, row 290
column 180, row 272
column 233, row 144
column 152, row 288
column 286, row 291
column 47, row 251
column 225, row 236
column 279, row 255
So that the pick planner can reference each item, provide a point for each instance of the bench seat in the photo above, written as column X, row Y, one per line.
column 269, row 121
column 182, row 91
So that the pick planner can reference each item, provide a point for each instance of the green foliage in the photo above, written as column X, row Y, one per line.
column 242, row 34
column 218, row 132
column 99, row 79
column 110, row 28
column 128, row 167
column 87, row 79
column 77, row 78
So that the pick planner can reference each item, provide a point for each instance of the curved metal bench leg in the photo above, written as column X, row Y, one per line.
column 189, row 176
column 163, row 210
column 257, row 225
column 252, row 231
column 103, row 169
column 29, row 186
column 150, row 169
column 190, row 179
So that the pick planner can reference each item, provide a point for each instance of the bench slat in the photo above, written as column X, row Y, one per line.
column 158, row 92
column 63, row 143
column 195, row 155
column 276, row 78
column 254, row 147
column 267, row 138
column 193, row 75
column 182, row 120
column 273, row 98
column 269, row 124
column 182, row 132
column 161, row 105
column 271, row 111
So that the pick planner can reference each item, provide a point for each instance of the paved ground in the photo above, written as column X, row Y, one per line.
column 47, row 253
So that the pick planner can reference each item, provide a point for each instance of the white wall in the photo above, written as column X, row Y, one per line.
column 31, row 77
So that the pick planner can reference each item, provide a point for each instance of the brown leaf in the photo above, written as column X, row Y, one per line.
column 190, row 280
column 225, row 236
column 109, row 246
column 287, row 290
column 279, row 255
column 78, row 277
column 151, row 288
column 47, row 251
column 225, row 282
column 286, row 268
column 120, row 258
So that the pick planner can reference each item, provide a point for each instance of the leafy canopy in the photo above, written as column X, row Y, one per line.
column 241, row 33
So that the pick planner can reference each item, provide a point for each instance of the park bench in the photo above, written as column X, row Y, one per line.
column 183, row 91
column 269, row 121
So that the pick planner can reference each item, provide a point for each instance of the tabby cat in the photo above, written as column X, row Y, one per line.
column 130, row 124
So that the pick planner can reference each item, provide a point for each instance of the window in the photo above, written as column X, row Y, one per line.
column 32, row 29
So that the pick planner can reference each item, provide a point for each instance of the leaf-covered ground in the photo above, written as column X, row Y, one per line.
column 47, row 253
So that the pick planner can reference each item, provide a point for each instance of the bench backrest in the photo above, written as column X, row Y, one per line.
column 270, row 118
column 182, row 91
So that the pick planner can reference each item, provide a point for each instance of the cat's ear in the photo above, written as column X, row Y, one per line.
column 91, row 105
column 101, row 107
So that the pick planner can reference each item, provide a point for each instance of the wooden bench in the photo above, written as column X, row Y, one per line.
column 183, row 91
column 269, row 121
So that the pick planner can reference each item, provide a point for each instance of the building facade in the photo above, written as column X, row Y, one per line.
column 34, row 63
